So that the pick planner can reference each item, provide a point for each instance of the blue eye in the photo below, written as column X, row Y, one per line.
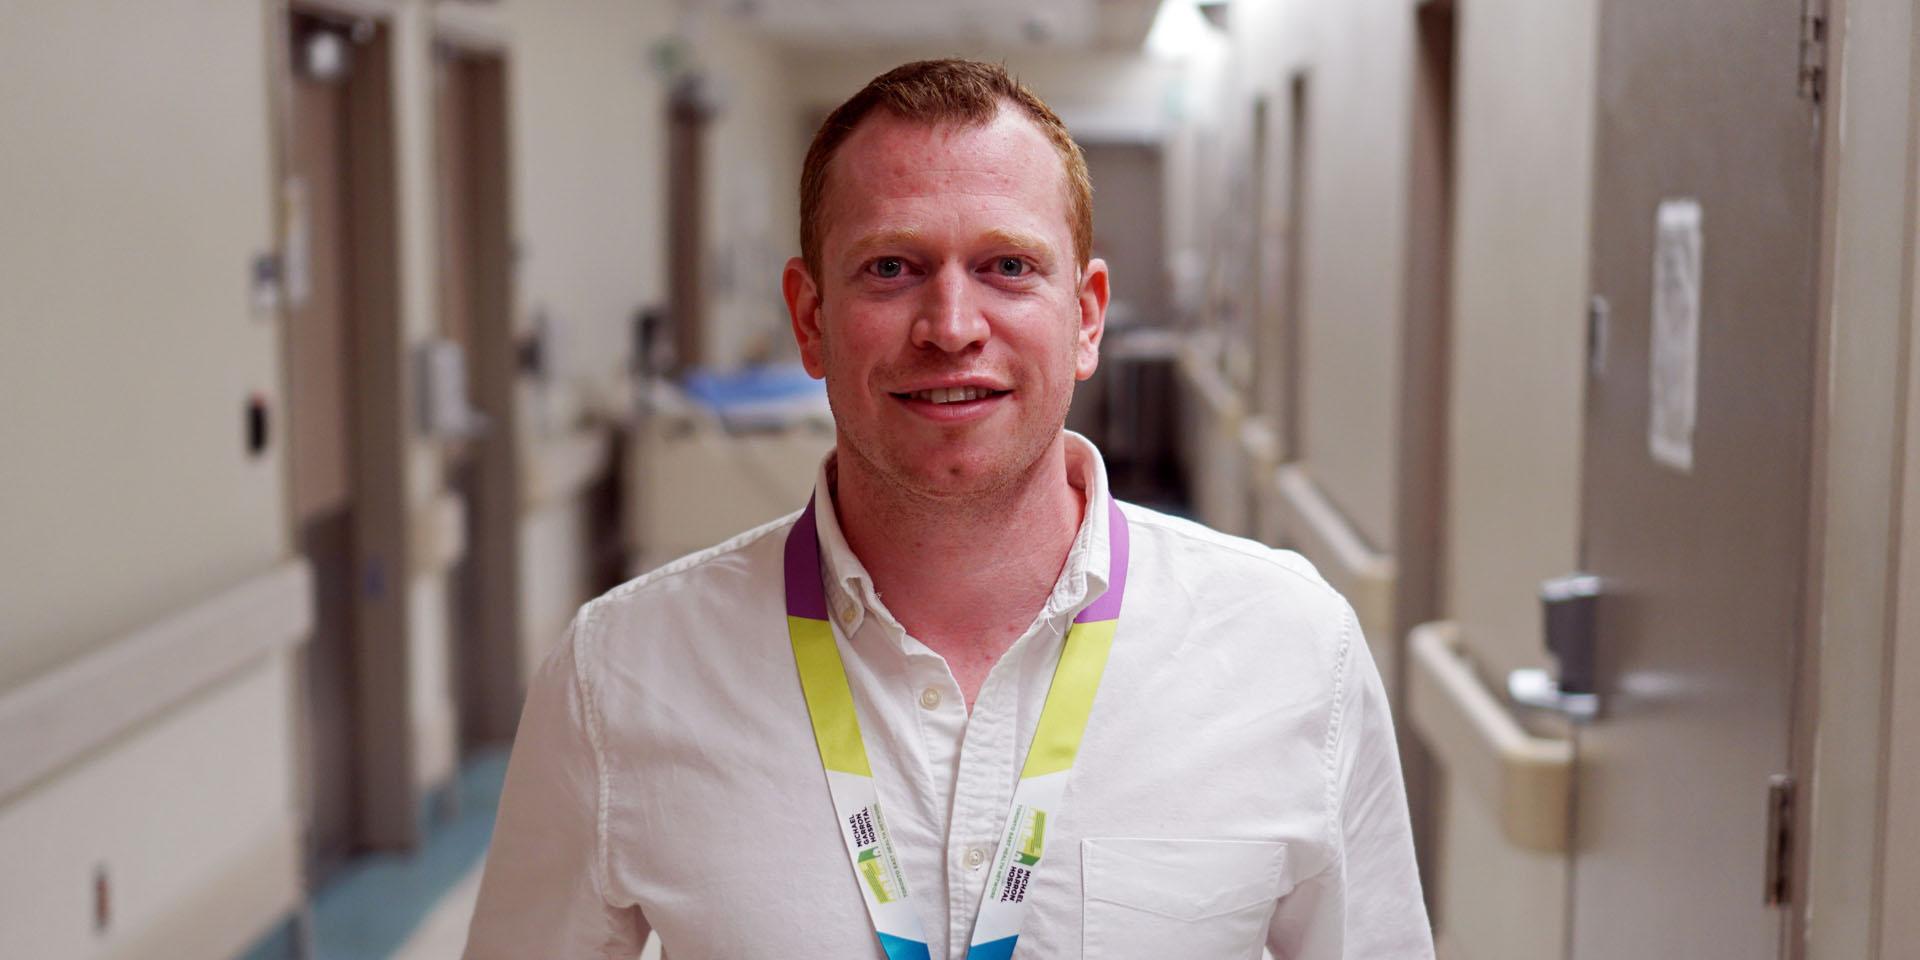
column 1010, row 266
column 887, row 268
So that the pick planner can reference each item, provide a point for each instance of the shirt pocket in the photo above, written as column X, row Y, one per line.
column 1154, row 899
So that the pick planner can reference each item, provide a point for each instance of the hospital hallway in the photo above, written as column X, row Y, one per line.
column 348, row 347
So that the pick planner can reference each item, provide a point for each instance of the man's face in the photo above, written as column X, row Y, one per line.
column 951, row 317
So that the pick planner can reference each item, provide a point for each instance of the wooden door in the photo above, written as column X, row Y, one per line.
column 1696, row 472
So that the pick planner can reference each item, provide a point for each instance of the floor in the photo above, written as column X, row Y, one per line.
column 444, row 931
column 409, row 906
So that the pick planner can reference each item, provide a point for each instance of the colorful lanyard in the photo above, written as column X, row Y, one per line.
column 856, row 801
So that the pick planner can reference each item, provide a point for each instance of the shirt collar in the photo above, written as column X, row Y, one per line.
column 850, row 593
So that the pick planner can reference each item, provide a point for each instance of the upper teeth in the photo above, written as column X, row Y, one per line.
column 951, row 394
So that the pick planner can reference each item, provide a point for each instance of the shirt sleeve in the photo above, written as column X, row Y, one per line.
column 543, row 893
column 1365, row 904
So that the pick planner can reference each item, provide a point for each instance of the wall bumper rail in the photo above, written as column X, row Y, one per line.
column 1526, row 779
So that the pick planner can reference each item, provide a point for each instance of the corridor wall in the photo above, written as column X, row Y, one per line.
column 590, row 93
column 1353, row 61
column 589, row 166
column 756, row 144
column 1856, row 868
column 1521, row 138
column 134, row 519
column 152, row 730
column 1517, row 366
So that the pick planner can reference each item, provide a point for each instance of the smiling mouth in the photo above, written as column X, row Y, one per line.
column 951, row 394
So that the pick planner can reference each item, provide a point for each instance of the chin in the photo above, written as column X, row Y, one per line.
column 966, row 469
column 953, row 476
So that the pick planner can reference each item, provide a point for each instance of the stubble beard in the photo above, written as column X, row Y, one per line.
column 1011, row 464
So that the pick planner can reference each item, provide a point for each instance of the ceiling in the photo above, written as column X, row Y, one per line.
column 1085, row 25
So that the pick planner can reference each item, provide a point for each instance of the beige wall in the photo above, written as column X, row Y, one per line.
column 1868, row 256
column 589, row 177
column 127, row 345
column 1519, row 315
column 1354, row 244
column 1357, row 58
column 192, row 819
column 1900, row 855
column 588, row 114
column 1525, row 89
column 137, row 159
column 754, row 150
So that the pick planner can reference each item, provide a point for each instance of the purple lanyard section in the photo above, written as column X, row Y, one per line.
column 807, row 596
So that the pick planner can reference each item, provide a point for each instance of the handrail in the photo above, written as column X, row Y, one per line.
column 1317, row 528
column 559, row 468
column 439, row 537
column 1261, row 444
column 1527, row 780
column 54, row 719
column 1211, row 383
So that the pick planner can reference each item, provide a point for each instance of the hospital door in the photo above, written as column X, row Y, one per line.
column 1695, row 494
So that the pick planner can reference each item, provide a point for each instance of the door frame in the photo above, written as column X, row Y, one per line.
column 1844, row 707
column 1425, row 367
column 388, row 807
column 487, row 660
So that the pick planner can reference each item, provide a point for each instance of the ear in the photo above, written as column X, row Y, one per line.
column 1093, row 318
column 803, row 308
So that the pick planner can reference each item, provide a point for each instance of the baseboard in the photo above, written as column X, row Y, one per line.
column 226, row 915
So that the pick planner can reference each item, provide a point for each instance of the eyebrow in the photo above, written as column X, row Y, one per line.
column 1027, row 242
column 893, row 237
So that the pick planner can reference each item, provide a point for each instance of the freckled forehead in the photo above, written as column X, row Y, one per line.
column 887, row 159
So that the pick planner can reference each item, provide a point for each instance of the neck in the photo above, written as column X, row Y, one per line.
column 966, row 576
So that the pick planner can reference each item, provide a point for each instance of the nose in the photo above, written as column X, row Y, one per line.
column 948, row 320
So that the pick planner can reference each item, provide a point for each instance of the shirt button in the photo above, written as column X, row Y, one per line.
column 976, row 858
column 930, row 698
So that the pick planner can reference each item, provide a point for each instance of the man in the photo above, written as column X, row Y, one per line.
column 964, row 700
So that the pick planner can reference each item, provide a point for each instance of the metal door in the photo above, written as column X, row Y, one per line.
column 1697, row 457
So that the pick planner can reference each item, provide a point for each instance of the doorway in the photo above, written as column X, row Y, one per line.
column 476, row 314
column 1127, row 407
column 1279, row 398
column 341, row 343
column 322, row 413
column 1420, row 499
column 691, row 110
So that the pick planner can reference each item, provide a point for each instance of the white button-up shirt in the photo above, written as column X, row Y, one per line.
column 1237, row 784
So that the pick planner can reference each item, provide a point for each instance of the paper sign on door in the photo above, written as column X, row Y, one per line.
column 1675, row 373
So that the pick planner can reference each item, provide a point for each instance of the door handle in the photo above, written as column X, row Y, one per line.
column 1536, row 689
column 1567, row 605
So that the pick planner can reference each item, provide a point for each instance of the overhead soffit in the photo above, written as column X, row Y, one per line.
column 1078, row 25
